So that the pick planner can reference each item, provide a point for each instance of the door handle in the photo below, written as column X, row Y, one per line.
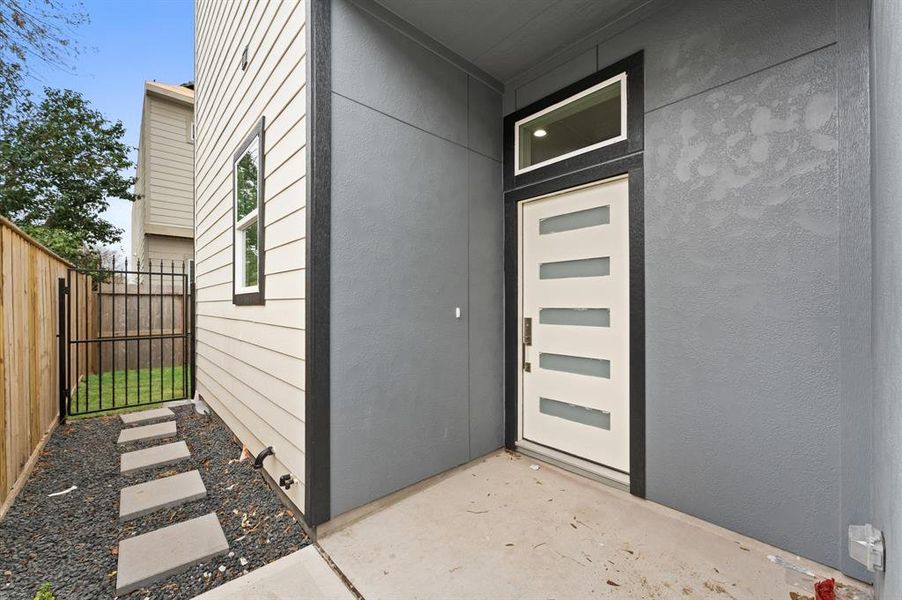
column 527, row 342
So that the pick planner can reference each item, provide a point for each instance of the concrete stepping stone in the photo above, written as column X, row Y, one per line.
column 157, row 456
column 138, row 500
column 143, row 416
column 150, row 557
column 156, row 431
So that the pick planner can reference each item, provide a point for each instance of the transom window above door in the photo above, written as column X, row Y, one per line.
column 593, row 118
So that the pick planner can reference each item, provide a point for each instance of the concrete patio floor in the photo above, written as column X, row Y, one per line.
column 496, row 528
column 303, row 575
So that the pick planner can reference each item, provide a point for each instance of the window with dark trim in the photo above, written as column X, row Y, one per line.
column 587, row 123
column 247, row 220
column 587, row 120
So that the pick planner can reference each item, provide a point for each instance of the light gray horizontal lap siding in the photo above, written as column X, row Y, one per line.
column 251, row 358
column 169, row 163
column 168, row 249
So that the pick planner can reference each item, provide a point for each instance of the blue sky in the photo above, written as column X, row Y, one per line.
column 126, row 43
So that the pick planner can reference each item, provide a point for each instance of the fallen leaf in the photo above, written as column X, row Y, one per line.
column 613, row 583
column 715, row 587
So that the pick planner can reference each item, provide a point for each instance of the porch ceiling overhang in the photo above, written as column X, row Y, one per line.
column 506, row 37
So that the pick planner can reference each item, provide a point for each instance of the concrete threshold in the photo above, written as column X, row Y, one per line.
column 302, row 575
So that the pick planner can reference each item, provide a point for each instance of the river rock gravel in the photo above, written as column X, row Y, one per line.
column 71, row 540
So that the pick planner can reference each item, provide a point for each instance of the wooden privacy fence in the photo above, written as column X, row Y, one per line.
column 141, row 310
column 29, row 369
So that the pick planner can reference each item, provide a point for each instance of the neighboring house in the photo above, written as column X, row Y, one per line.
column 163, row 214
column 630, row 237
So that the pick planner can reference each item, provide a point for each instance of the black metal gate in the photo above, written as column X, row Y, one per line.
column 126, row 337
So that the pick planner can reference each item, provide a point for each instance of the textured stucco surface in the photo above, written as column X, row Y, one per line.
column 854, row 195
column 742, row 307
column 399, row 269
column 886, row 21
column 377, row 66
column 486, row 303
column 692, row 46
column 416, row 232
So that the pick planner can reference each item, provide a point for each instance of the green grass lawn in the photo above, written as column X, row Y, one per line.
column 134, row 389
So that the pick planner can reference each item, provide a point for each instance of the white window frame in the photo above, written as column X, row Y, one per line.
column 244, row 294
column 619, row 138
column 249, row 220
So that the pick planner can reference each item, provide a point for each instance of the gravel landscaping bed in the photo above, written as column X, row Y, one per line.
column 71, row 540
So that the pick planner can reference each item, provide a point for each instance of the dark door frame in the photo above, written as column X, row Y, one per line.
column 621, row 158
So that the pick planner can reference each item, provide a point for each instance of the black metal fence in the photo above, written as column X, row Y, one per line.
column 126, row 337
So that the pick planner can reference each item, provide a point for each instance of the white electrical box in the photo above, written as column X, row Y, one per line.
column 866, row 546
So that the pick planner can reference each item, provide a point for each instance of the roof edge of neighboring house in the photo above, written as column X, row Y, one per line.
column 179, row 93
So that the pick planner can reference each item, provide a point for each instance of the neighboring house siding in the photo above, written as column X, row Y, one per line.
column 163, row 215
column 138, row 207
column 250, row 359
column 137, row 234
column 169, row 250
column 757, row 260
column 169, row 157
column 416, row 232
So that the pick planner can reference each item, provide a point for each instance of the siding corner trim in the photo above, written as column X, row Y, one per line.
column 318, row 271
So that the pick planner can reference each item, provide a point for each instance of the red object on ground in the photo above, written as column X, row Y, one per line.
column 825, row 590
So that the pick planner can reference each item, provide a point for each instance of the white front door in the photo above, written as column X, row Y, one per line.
column 574, row 328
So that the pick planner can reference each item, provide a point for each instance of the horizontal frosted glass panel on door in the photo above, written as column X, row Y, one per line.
column 584, row 267
column 576, row 220
column 585, row 317
column 577, row 414
column 578, row 365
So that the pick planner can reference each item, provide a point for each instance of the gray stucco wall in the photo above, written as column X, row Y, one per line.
column 887, row 221
column 757, row 260
column 416, row 232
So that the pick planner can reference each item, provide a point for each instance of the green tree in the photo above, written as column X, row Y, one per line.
column 60, row 162
column 35, row 31
column 40, row 30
